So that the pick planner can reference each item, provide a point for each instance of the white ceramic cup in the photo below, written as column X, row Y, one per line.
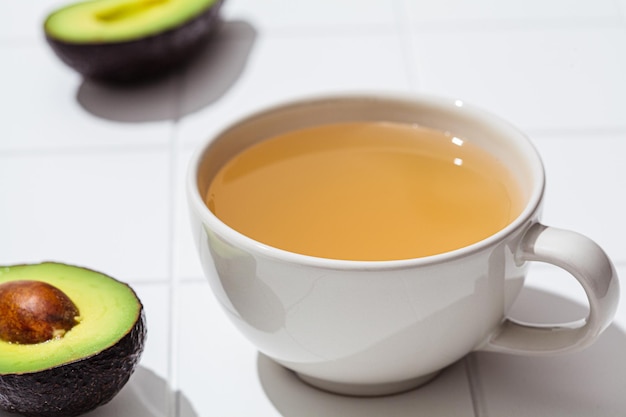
column 380, row 327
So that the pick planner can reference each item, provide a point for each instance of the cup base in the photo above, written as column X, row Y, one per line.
column 368, row 390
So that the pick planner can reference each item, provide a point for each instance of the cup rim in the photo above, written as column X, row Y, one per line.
column 246, row 243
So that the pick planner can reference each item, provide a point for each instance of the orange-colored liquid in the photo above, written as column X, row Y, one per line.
column 365, row 191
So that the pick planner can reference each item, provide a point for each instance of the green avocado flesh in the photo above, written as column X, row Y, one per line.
column 108, row 311
column 106, row 21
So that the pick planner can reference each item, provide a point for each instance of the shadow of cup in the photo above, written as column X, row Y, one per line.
column 292, row 397
column 580, row 384
column 198, row 84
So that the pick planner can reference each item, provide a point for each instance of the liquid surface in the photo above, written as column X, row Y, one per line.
column 365, row 191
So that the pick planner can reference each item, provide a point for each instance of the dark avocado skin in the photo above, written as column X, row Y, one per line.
column 78, row 387
column 142, row 59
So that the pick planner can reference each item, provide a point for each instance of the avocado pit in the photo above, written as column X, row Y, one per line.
column 34, row 312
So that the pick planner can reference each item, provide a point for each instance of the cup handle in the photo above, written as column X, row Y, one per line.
column 590, row 265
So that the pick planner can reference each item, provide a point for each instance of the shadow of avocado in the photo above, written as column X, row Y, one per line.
column 145, row 395
column 192, row 87
column 579, row 384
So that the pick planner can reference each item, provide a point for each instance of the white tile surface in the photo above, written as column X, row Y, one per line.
column 454, row 12
column 318, row 16
column 538, row 78
column 47, row 106
column 108, row 210
column 23, row 21
column 94, row 175
column 584, row 175
column 186, row 261
column 216, row 367
column 281, row 68
column 155, row 297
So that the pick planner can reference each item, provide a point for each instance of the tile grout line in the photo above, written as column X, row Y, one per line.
column 172, row 365
column 406, row 43
column 582, row 132
column 621, row 7
column 331, row 31
column 519, row 24
column 173, row 408
column 81, row 150
column 475, row 387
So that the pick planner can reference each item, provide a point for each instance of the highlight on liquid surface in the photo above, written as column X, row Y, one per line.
column 365, row 191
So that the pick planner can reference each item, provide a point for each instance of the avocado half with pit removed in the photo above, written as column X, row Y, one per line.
column 70, row 338
column 130, row 40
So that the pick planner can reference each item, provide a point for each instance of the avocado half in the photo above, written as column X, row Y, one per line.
column 85, row 366
column 130, row 40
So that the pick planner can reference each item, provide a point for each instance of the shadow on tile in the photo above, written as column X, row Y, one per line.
column 447, row 395
column 580, row 384
column 195, row 86
column 587, row 383
column 145, row 395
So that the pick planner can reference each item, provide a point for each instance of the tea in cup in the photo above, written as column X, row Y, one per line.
column 367, row 191
column 366, row 242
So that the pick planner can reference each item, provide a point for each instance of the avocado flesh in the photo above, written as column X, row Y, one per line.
column 88, row 366
column 108, row 310
column 106, row 21
column 129, row 41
